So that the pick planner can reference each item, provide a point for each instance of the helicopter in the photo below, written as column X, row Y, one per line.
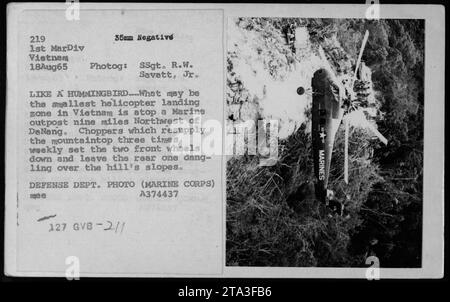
column 331, row 101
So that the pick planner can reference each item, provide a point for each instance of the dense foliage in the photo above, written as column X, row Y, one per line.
column 394, row 216
column 385, row 190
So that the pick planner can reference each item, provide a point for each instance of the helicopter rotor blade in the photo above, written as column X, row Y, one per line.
column 363, row 45
column 358, row 62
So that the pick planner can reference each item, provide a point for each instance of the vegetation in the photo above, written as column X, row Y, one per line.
column 385, row 190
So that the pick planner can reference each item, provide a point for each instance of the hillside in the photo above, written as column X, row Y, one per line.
column 385, row 188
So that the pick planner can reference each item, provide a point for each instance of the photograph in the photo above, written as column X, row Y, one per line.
column 244, row 143
column 346, row 183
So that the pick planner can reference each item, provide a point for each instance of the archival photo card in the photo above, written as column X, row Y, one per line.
column 224, row 140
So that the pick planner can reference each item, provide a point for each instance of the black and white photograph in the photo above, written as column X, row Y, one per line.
column 347, row 183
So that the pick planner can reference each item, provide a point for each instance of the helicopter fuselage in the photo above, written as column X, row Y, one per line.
column 327, row 115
